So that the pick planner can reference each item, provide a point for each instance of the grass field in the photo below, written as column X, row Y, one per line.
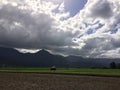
column 77, row 71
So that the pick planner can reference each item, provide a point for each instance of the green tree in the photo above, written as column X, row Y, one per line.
column 112, row 65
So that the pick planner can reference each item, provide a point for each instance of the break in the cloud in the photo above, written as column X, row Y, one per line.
column 32, row 25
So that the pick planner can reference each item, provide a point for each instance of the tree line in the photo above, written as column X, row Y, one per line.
column 114, row 65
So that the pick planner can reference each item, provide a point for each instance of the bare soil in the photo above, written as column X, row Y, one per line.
column 36, row 81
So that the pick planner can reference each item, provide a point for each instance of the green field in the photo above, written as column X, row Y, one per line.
column 77, row 71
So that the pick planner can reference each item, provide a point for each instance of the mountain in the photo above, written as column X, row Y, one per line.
column 12, row 58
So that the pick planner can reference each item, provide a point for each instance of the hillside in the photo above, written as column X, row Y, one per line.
column 12, row 58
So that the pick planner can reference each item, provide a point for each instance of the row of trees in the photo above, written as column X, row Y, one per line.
column 114, row 65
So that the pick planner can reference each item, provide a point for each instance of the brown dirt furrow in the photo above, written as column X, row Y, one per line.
column 36, row 81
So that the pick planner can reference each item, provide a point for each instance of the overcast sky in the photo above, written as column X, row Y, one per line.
column 88, row 28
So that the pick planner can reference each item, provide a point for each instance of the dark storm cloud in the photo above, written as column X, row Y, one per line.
column 21, row 29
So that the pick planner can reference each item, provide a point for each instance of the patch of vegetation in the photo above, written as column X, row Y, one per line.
column 83, row 71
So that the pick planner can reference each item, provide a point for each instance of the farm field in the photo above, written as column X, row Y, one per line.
column 36, row 81
column 73, row 71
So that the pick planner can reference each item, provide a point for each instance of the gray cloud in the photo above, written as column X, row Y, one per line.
column 22, row 29
column 102, row 9
column 102, row 45
column 25, row 26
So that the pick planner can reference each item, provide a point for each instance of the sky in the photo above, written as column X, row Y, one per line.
column 87, row 28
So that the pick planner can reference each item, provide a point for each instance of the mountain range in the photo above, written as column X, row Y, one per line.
column 10, row 57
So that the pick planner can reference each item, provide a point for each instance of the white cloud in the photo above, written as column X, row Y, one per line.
column 41, row 24
column 100, row 27
column 27, row 50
